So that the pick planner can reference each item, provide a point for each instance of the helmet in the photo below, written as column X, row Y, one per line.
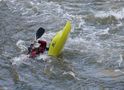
column 36, row 45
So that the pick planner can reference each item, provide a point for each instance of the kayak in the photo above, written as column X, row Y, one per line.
column 59, row 40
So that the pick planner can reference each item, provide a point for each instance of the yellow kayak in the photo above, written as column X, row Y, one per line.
column 59, row 40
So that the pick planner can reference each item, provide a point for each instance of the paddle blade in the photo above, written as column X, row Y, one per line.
column 39, row 32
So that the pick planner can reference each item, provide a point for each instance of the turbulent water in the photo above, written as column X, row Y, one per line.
column 93, row 57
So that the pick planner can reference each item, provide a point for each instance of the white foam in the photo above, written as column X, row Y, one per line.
column 103, row 31
column 21, row 45
column 119, row 14
column 76, row 40
column 71, row 73
column 118, row 70
column 43, row 57
column 120, row 61
column 19, row 60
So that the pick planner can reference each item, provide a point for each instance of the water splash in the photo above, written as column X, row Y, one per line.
column 119, row 14
column 19, row 60
column 71, row 74
column 21, row 45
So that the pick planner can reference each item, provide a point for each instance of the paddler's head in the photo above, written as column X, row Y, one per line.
column 36, row 45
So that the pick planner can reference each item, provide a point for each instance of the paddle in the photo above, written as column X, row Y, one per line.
column 39, row 33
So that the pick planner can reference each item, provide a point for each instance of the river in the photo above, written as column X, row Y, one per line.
column 93, row 56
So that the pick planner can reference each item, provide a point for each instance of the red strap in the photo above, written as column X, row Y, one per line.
column 33, row 54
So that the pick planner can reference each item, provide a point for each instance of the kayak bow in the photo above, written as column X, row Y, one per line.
column 59, row 40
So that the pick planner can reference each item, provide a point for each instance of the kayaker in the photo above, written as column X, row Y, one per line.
column 39, row 46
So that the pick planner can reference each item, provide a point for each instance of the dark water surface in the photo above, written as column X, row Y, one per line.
column 93, row 57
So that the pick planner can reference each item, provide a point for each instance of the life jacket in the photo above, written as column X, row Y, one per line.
column 41, row 49
column 42, row 46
